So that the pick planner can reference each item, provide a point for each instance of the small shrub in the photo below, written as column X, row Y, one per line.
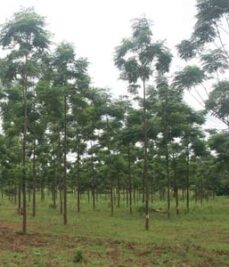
column 78, row 256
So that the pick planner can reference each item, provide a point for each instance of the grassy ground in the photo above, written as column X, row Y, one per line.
column 200, row 238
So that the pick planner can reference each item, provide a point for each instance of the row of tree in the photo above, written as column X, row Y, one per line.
column 62, row 135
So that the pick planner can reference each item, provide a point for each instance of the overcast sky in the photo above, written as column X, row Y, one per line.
column 96, row 27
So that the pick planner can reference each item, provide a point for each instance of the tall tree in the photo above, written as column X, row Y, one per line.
column 138, row 58
column 26, row 40
column 64, row 79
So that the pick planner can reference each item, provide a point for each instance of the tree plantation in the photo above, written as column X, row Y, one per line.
column 89, row 179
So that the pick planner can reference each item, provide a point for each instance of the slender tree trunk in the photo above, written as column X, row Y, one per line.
column 24, row 224
column 78, row 181
column 54, row 193
column 127, row 197
column 61, row 200
column 175, row 185
column 183, row 194
column 93, row 198
column 34, row 178
column 59, row 173
column 115, row 196
column 130, row 180
column 54, row 187
column 134, row 195
column 88, row 196
column 109, row 164
column 93, row 180
column 29, row 194
column 187, row 181
column 19, row 197
column 65, row 163
column 112, row 198
column 145, row 170
column 15, row 193
column 42, row 191
column 201, row 191
column 168, row 179
column 118, row 190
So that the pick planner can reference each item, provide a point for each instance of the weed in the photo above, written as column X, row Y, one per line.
column 78, row 257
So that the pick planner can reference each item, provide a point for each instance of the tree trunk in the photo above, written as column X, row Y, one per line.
column 93, row 180
column 187, row 181
column 78, row 181
column 175, row 185
column 19, row 197
column 145, row 170
column 34, row 179
column 42, row 191
column 88, row 196
column 111, row 198
column 65, row 163
column 15, row 193
column 54, row 194
column 118, row 190
column 54, row 187
column 134, row 195
column 24, row 224
column 109, row 164
column 130, row 180
column 168, row 180
column 61, row 200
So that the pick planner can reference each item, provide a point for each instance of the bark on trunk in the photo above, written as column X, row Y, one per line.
column 145, row 170
column 65, row 163
column 34, row 178
column 24, row 223
column 130, row 180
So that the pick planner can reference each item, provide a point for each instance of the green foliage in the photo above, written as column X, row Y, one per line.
column 218, row 101
column 138, row 56
column 210, row 31
column 215, row 61
column 189, row 77
column 78, row 257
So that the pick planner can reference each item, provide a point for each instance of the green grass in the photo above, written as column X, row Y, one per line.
column 200, row 238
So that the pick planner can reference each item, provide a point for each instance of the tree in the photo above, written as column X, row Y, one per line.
column 69, row 77
column 219, row 143
column 170, row 112
column 137, row 58
column 208, row 44
column 211, row 25
column 79, row 119
column 26, row 40
column 218, row 101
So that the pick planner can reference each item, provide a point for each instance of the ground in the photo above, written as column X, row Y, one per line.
column 94, row 238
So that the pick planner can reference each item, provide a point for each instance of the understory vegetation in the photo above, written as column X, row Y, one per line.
column 93, row 238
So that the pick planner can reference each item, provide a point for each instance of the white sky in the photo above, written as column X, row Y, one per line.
column 96, row 27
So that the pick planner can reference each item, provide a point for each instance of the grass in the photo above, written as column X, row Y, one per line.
column 200, row 238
